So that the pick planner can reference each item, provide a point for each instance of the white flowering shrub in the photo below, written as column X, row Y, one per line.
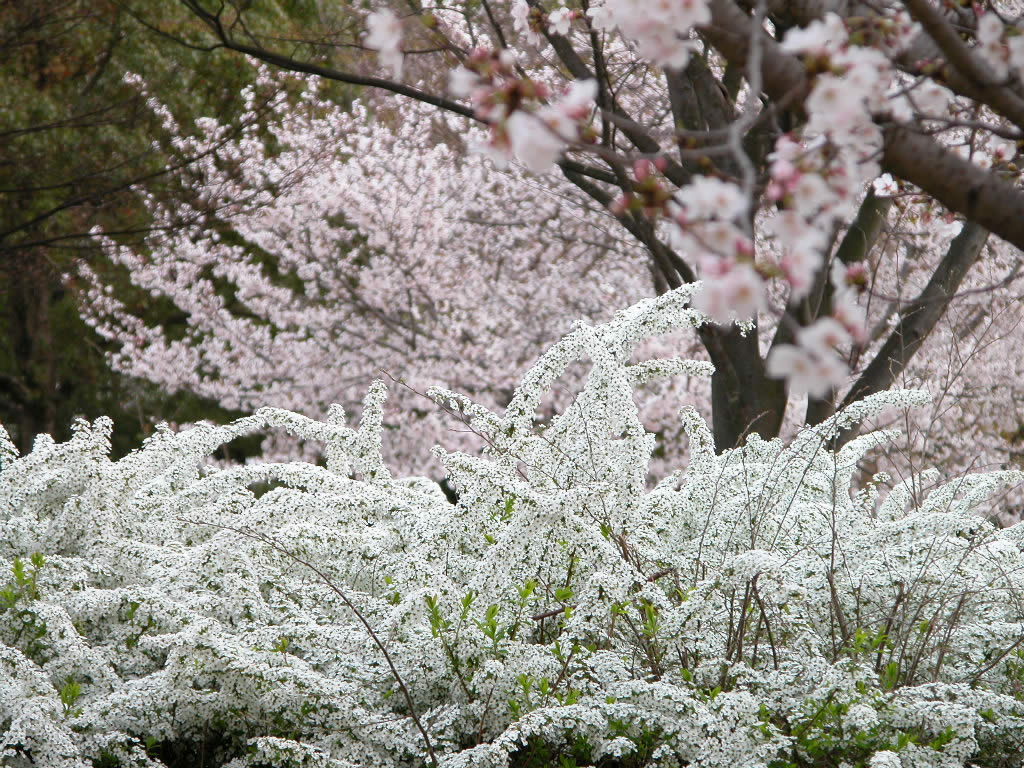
column 753, row 609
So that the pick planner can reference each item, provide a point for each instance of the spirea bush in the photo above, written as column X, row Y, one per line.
column 752, row 609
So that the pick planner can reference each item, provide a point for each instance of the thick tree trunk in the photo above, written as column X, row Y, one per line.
column 744, row 399
column 32, row 387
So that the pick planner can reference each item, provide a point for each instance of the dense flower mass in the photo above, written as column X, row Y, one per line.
column 660, row 29
column 384, row 34
column 632, row 140
column 755, row 608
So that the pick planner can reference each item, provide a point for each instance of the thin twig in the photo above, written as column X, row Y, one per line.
column 273, row 544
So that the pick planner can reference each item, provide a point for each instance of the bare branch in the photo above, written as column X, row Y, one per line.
column 920, row 316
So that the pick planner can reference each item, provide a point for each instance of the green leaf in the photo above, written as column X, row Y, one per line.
column 890, row 675
column 942, row 739
column 18, row 568
column 69, row 693
column 526, row 591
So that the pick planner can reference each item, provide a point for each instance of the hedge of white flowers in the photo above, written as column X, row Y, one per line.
column 751, row 610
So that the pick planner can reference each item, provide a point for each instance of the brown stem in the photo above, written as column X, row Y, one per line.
column 270, row 542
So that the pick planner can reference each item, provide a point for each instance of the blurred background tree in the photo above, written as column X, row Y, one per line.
column 79, row 149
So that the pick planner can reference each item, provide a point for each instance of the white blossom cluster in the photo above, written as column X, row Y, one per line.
column 753, row 609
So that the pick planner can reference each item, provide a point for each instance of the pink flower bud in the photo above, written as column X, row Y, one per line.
column 642, row 169
column 619, row 206
column 661, row 163
column 783, row 170
column 857, row 274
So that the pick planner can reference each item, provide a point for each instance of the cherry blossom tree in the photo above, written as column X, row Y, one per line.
column 365, row 244
column 737, row 144
column 734, row 143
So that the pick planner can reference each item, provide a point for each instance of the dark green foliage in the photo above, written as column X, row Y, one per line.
column 77, row 146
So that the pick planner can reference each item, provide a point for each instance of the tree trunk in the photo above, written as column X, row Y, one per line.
column 743, row 398
column 33, row 387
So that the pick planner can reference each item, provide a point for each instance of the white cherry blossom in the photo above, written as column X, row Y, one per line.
column 735, row 294
column 384, row 34
column 559, row 21
column 534, row 141
column 990, row 44
column 806, row 371
column 821, row 36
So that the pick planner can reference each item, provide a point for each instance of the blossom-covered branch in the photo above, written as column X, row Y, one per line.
column 656, row 93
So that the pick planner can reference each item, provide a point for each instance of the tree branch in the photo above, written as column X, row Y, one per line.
column 294, row 65
column 966, row 62
column 957, row 183
column 919, row 317
column 863, row 232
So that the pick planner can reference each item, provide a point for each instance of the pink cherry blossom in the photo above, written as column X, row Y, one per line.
column 850, row 315
column 538, row 138
column 659, row 27
column 833, row 96
column 810, row 193
column 817, row 38
column 534, row 141
column 462, row 82
column 806, row 371
column 559, row 21
column 932, row 99
column 521, row 20
column 990, row 44
column 825, row 335
column 885, row 186
column 737, row 293
column 708, row 197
